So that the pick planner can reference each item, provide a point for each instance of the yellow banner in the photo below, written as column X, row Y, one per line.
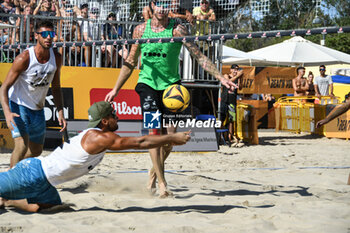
column 83, row 80
column 274, row 80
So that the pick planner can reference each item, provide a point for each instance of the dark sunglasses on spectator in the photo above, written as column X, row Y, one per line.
column 45, row 34
column 322, row 69
column 205, row 2
column 69, row 11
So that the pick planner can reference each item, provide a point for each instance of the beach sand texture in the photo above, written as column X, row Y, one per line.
column 288, row 183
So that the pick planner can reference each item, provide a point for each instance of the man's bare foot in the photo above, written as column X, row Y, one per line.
column 151, row 186
column 164, row 192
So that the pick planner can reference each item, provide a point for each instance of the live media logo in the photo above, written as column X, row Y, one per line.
column 151, row 120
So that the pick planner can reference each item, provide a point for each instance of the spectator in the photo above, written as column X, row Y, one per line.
column 235, row 75
column 4, row 37
column 310, row 81
column 70, row 31
column 300, row 84
column 94, row 25
column 95, row 28
column 83, row 13
column 55, row 7
column 21, row 4
column 182, row 9
column 44, row 8
column 110, row 32
column 203, row 12
column 8, row 8
column 67, row 13
column 63, row 6
column 28, row 10
column 323, row 83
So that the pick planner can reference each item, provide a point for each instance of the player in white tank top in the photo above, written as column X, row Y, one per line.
column 75, row 159
column 24, row 90
column 69, row 162
column 31, row 86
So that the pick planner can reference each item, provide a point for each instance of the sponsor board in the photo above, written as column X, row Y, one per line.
column 51, row 113
column 266, row 80
column 127, row 103
column 339, row 127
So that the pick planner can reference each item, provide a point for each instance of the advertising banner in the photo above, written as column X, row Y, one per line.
column 274, row 80
column 266, row 80
column 127, row 103
column 339, row 127
column 51, row 115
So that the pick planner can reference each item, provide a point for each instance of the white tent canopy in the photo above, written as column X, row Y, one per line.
column 299, row 51
column 235, row 56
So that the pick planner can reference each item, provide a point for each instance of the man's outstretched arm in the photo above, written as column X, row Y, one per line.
column 337, row 111
column 128, row 66
column 96, row 141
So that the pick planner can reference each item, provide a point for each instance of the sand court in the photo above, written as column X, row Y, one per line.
column 288, row 183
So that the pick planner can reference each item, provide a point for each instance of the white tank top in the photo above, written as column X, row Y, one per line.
column 30, row 88
column 69, row 162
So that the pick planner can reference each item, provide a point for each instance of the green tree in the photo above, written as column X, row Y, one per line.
column 293, row 14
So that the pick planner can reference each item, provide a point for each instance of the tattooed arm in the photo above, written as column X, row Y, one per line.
column 203, row 61
column 129, row 64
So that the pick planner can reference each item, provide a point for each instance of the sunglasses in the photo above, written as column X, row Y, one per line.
column 322, row 69
column 45, row 34
column 69, row 11
column 162, row 4
column 205, row 2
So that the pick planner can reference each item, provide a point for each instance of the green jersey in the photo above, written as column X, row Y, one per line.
column 159, row 61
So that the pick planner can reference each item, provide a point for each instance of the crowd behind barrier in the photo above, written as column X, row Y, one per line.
column 101, row 47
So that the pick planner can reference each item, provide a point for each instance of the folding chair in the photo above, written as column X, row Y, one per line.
column 219, row 132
